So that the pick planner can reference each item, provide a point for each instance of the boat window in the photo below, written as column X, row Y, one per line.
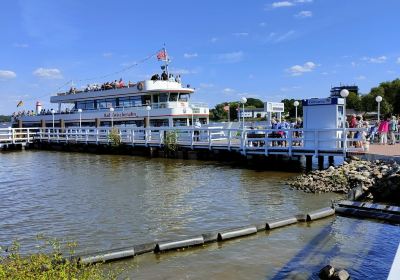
column 106, row 103
column 146, row 99
column 155, row 98
column 163, row 97
column 85, row 105
column 183, row 97
column 173, row 96
column 130, row 101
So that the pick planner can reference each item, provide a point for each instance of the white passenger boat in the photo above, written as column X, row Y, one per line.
column 153, row 102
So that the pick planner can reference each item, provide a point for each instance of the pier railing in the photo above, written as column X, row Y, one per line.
column 17, row 135
column 247, row 141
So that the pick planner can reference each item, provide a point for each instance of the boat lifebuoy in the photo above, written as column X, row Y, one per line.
column 140, row 86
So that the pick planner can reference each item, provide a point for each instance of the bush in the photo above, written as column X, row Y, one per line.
column 114, row 137
column 46, row 266
column 171, row 141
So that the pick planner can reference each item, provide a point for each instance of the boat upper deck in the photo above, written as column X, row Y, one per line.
column 142, row 87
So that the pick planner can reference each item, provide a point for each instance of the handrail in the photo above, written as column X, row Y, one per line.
column 256, row 141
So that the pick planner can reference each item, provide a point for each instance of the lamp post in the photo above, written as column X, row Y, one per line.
column 112, row 116
column 379, row 100
column 344, row 93
column 53, row 112
column 243, row 100
column 80, row 117
column 296, row 103
column 191, row 107
column 148, row 108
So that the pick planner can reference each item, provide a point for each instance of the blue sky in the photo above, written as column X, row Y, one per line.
column 225, row 49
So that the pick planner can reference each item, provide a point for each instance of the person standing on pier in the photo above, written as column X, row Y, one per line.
column 393, row 130
column 383, row 131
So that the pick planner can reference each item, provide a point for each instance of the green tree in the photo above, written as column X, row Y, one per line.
column 290, row 108
column 353, row 101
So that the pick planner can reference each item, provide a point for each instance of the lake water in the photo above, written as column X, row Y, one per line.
column 108, row 201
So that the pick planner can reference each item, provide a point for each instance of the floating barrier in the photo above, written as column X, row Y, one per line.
column 238, row 232
column 214, row 236
column 106, row 256
column 321, row 213
column 144, row 248
column 210, row 237
column 280, row 223
column 171, row 245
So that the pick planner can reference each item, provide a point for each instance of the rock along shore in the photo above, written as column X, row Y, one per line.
column 360, row 180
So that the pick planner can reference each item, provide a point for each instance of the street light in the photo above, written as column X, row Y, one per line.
column 191, row 107
column 80, row 117
column 148, row 108
column 112, row 116
column 53, row 112
column 379, row 100
column 344, row 93
column 296, row 103
column 243, row 100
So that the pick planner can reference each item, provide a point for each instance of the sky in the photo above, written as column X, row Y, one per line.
column 269, row 50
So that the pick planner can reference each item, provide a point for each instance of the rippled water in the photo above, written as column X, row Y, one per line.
column 105, row 201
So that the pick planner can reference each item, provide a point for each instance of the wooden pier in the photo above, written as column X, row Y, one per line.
column 247, row 142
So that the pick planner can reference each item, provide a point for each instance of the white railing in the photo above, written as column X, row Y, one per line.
column 248, row 141
column 17, row 135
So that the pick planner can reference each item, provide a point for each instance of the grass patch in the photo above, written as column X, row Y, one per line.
column 48, row 264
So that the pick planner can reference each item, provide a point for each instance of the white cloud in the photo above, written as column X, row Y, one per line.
column 213, row 39
column 206, row 85
column 48, row 73
column 263, row 24
column 353, row 64
column 7, row 74
column 324, row 73
column 190, row 55
column 232, row 57
column 229, row 90
column 284, row 37
column 298, row 70
column 361, row 77
column 304, row 14
column 182, row 71
column 18, row 45
column 282, row 4
column 398, row 60
column 379, row 59
column 107, row 54
column 240, row 34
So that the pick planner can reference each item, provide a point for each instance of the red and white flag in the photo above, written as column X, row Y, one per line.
column 162, row 55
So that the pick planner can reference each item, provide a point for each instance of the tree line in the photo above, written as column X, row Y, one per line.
column 390, row 105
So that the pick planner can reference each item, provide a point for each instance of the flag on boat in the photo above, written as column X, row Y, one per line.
column 162, row 55
column 20, row 103
column 226, row 108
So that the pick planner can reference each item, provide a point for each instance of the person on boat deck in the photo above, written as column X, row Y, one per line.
column 130, row 84
column 171, row 78
column 164, row 76
column 178, row 79
column 120, row 83
column 197, row 124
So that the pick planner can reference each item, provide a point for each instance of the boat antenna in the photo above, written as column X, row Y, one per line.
column 166, row 60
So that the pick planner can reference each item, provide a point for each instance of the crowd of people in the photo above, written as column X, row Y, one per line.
column 166, row 77
column 117, row 84
column 385, row 131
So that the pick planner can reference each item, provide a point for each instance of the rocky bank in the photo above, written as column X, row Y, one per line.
column 360, row 180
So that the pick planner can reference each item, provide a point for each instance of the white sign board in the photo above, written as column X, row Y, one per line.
column 274, row 107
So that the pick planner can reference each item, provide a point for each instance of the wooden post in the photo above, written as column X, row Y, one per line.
column 331, row 161
column 98, row 123
column 42, row 123
column 320, row 162
column 308, row 163
column 20, row 123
